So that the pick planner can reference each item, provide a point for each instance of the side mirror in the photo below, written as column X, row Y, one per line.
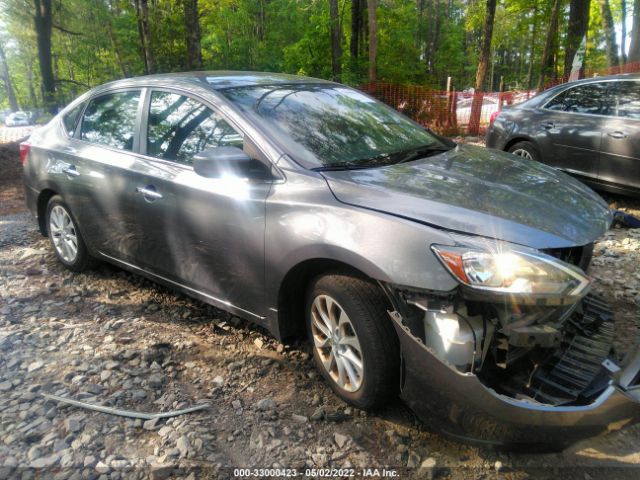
column 215, row 162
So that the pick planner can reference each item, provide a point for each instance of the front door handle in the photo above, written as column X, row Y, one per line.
column 149, row 192
column 617, row 134
column 71, row 171
column 548, row 125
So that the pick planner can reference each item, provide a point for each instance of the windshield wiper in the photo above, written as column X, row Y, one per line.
column 421, row 152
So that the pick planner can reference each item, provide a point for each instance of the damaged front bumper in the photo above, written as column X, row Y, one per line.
column 463, row 405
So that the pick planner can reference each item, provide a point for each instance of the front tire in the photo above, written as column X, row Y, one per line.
column 526, row 150
column 65, row 237
column 354, row 344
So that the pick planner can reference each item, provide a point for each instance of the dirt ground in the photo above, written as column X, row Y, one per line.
column 110, row 337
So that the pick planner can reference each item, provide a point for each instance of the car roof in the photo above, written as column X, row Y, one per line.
column 215, row 80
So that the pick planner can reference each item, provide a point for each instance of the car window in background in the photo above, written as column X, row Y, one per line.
column 592, row 98
column 70, row 120
column 111, row 120
column 324, row 124
column 626, row 97
column 180, row 127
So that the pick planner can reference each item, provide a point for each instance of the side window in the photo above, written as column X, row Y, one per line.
column 70, row 119
column 592, row 98
column 111, row 120
column 626, row 96
column 179, row 127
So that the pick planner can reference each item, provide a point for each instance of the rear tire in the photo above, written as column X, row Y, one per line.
column 355, row 346
column 65, row 237
column 526, row 150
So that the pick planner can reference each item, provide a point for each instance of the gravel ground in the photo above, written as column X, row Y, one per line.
column 113, row 338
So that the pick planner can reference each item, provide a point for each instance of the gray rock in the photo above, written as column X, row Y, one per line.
column 265, row 404
column 218, row 381
column 151, row 424
column 45, row 462
column 35, row 366
column 340, row 439
column 102, row 467
column 299, row 418
column 5, row 386
column 161, row 472
column 155, row 380
column 34, row 452
column 183, row 446
column 428, row 468
column 72, row 425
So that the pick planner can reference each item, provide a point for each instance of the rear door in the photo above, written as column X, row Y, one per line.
column 96, row 163
column 572, row 127
column 620, row 151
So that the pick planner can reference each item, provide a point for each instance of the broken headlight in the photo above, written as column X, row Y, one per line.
column 513, row 272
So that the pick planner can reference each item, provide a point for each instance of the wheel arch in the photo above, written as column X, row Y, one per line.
column 41, row 204
column 520, row 138
column 293, row 288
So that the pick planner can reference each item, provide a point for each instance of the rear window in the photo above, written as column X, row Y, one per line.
column 70, row 119
column 111, row 120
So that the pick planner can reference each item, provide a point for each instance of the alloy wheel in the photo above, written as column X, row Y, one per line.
column 63, row 234
column 336, row 343
column 521, row 152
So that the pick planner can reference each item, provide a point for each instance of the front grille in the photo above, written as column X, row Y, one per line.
column 575, row 369
column 578, row 256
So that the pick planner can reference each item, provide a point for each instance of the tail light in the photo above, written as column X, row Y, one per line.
column 24, row 152
column 493, row 116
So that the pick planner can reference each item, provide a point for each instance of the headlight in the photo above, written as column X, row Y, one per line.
column 513, row 272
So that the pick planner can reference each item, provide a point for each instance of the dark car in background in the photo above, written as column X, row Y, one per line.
column 588, row 128
column 452, row 275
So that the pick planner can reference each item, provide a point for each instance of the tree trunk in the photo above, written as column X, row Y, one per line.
column 6, row 79
column 372, row 6
column 609, row 34
column 43, row 24
column 576, row 31
column 356, row 26
column 532, row 47
column 623, row 46
column 336, row 40
column 547, row 66
column 634, row 48
column 142, row 12
column 481, row 74
column 192, row 26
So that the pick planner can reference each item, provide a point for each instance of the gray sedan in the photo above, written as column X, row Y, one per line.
column 589, row 129
column 451, row 275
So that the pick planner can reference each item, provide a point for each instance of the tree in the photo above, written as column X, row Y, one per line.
column 356, row 29
column 552, row 35
column 372, row 6
column 609, row 34
column 43, row 24
column 336, row 40
column 144, row 31
column 634, row 47
column 481, row 74
column 623, row 27
column 6, row 79
column 192, row 27
column 576, row 32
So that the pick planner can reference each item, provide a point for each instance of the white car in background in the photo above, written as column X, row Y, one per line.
column 490, row 105
column 17, row 119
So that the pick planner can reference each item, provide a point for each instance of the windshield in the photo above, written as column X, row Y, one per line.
column 325, row 125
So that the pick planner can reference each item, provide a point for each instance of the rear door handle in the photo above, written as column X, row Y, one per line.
column 548, row 125
column 71, row 171
column 617, row 134
column 150, row 192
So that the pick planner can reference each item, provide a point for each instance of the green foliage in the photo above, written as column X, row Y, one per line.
column 419, row 41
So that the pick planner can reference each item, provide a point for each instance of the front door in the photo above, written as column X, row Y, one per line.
column 214, row 230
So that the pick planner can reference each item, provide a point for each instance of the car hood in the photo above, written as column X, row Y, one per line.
column 484, row 192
